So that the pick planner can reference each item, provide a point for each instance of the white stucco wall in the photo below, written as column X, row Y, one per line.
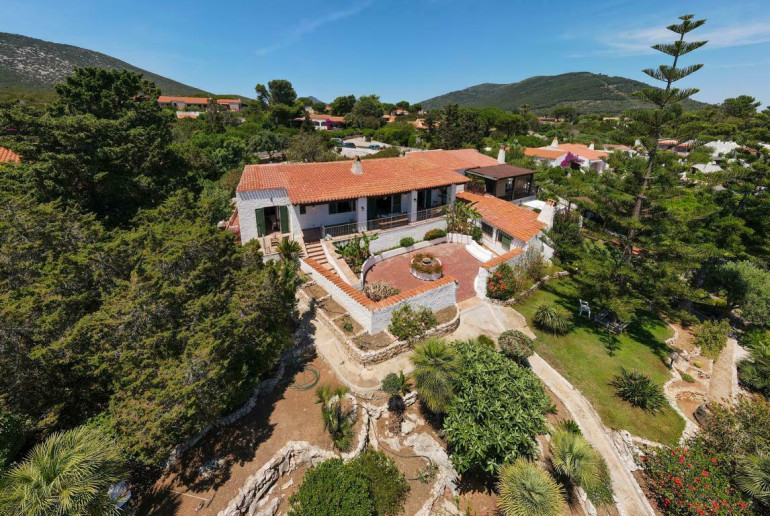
column 358, row 312
column 318, row 215
column 248, row 202
column 435, row 299
column 392, row 238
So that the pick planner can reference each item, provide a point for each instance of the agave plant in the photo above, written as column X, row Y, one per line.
column 639, row 390
column 436, row 368
column 68, row 473
column 753, row 476
column 573, row 458
column 527, row 490
column 550, row 319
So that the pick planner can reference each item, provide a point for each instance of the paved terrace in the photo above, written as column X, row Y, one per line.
column 457, row 262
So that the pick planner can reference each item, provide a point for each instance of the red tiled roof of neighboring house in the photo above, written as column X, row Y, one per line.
column 583, row 150
column 518, row 222
column 321, row 116
column 8, row 156
column 497, row 260
column 308, row 183
column 616, row 146
column 367, row 303
column 543, row 153
column 166, row 99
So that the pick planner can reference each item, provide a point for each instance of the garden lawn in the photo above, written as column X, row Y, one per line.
column 582, row 356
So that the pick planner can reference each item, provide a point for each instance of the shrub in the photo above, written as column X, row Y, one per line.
column 686, row 377
column 12, row 437
column 433, row 268
column 436, row 368
column 754, row 372
column 711, row 337
column 408, row 323
column 338, row 419
column 490, row 421
column 527, row 490
column 477, row 234
column 516, row 345
column 379, row 290
column 534, row 264
column 347, row 324
column 406, row 241
column 389, row 488
column 551, row 319
column 486, row 341
column 639, row 390
column 579, row 464
column 333, row 488
column 434, row 234
column 505, row 282
column 391, row 385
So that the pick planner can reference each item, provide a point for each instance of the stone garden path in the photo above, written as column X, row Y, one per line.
column 492, row 320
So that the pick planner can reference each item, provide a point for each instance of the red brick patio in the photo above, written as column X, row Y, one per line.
column 457, row 263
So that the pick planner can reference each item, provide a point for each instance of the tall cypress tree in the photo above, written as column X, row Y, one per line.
column 650, row 122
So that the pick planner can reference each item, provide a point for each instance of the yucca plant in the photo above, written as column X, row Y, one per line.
column 639, row 390
column 339, row 422
column 436, row 368
column 68, row 473
column 573, row 458
column 527, row 490
column 288, row 249
column 753, row 476
column 551, row 319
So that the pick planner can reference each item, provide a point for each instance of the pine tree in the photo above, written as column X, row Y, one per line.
column 650, row 122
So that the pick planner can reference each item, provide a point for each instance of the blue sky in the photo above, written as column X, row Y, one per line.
column 404, row 49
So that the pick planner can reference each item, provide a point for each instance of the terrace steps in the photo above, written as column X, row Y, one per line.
column 315, row 251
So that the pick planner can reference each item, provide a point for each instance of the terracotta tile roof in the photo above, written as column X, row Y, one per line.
column 321, row 116
column 583, row 151
column 367, row 303
column 8, row 156
column 616, row 146
column 501, row 171
column 167, row 99
column 518, row 222
column 497, row 260
column 308, row 183
column 543, row 153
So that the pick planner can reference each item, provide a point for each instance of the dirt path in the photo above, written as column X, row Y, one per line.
column 724, row 377
column 494, row 320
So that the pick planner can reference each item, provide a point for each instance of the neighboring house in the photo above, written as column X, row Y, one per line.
column 323, row 122
column 199, row 103
column 504, row 226
column 706, row 168
column 720, row 148
column 615, row 147
column 553, row 155
column 8, row 156
column 309, row 201
column 683, row 147
column 506, row 181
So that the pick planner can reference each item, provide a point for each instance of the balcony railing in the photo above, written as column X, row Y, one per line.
column 382, row 223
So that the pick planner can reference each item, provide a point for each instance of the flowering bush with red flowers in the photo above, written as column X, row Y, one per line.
column 506, row 282
column 691, row 481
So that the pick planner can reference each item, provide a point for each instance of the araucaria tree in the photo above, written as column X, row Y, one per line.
column 650, row 122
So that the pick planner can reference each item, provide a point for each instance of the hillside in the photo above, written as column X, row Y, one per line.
column 33, row 64
column 587, row 92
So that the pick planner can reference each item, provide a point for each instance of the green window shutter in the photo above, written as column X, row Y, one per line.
column 260, row 213
column 506, row 242
column 284, row 219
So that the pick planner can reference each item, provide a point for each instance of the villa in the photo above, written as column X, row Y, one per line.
column 323, row 122
column 553, row 155
column 199, row 103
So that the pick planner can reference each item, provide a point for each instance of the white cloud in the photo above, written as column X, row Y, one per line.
column 295, row 33
column 639, row 41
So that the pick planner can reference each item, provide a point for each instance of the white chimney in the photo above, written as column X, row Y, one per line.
column 501, row 155
column 357, row 168
column 555, row 142
column 591, row 147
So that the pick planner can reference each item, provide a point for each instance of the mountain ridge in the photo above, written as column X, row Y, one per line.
column 586, row 91
column 28, row 63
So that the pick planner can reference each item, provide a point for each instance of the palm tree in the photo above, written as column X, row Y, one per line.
column 68, row 473
column 753, row 475
column 436, row 368
column 573, row 458
column 288, row 249
column 338, row 420
column 527, row 490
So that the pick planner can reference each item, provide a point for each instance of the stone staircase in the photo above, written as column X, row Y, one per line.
column 315, row 251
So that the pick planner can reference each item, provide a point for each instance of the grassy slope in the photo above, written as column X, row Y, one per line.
column 587, row 92
column 583, row 359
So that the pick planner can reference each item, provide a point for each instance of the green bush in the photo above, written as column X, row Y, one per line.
column 406, row 241
column 486, row 341
column 333, row 488
column 516, row 345
column 579, row 464
column 389, row 488
column 754, row 371
column 391, row 384
column 434, row 234
column 436, row 369
column 686, row 377
column 497, row 411
column 639, row 390
column 477, row 234
column 408, row 323
column 711, row 337
column 527, row 490
column 12, row 437
column 506, row 282
column 551, row 319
